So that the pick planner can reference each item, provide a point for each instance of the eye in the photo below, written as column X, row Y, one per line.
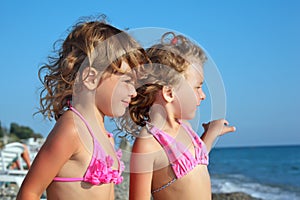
column 199, row 86
column 129, row 81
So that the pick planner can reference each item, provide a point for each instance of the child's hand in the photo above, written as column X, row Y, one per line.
column 214, row 129
column 218, row 127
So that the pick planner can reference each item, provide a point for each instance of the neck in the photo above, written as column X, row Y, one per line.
column 87, row 108
column 163, row 118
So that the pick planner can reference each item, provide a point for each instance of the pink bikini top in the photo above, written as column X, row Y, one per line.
column 180, row 158
column 100, row 169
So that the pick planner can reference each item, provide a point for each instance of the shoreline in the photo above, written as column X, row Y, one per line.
column 233, row 196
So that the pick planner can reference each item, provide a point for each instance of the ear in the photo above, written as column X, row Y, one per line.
column 91, row 78
column 168, row 93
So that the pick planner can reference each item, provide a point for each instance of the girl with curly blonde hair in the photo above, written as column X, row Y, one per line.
column 169, row 160
column 92, row 76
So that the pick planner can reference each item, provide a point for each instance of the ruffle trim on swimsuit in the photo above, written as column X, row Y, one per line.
column 101, row 172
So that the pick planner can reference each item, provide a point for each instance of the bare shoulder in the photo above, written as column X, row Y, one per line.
column 64, row 134
column 145, row 152
column 145, row 143
column 60, row 145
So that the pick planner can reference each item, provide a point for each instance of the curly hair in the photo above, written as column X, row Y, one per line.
column 169, row 60
column 85, row 40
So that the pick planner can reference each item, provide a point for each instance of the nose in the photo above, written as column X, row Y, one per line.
column 133, row 92
column 202, row 95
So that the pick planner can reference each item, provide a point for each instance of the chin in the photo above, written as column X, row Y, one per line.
column 190, row 116
column 118, row 113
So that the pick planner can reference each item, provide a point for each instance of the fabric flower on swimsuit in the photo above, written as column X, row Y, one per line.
column 101, row 172
column 100, row 169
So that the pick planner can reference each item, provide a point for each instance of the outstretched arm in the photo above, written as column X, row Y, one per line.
column 214, row 129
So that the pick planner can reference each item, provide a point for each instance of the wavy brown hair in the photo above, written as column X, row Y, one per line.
column 88, row 44
column 169, row 60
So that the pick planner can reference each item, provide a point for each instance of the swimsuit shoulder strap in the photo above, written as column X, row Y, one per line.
column 84, row 121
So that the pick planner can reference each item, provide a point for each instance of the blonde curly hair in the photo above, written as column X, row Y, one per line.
column 59, row 74
column 169, row 60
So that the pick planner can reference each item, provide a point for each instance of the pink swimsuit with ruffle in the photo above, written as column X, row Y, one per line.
column 100, row 169
column 180, row 158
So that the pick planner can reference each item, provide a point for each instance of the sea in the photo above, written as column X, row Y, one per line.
column 269, row 173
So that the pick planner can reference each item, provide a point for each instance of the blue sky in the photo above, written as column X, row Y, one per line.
column 254, row 43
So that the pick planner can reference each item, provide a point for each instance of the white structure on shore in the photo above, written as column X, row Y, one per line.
column 11, row 153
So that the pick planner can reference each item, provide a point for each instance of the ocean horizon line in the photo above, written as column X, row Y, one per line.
column 257, row 146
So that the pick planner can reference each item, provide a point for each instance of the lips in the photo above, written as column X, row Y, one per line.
column 126, row 102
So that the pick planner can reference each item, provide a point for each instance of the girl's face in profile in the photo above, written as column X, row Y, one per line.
column 115, row 92
column 189, row 93
column 195, row 78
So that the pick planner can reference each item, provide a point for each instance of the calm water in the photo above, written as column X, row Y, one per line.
column 271, row 173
